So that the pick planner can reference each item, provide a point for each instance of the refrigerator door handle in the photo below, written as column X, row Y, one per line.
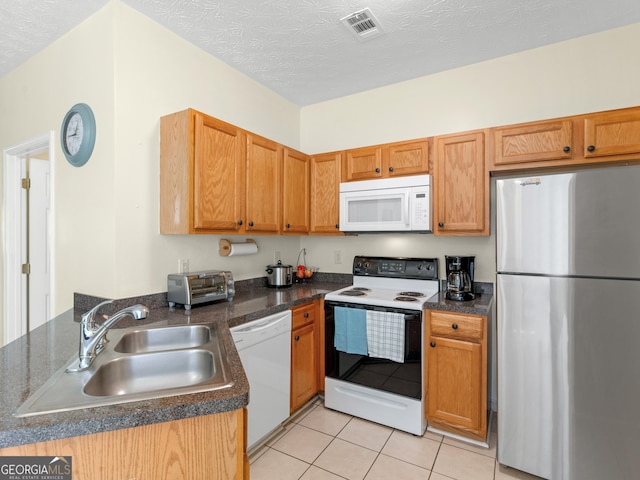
column 530, row 181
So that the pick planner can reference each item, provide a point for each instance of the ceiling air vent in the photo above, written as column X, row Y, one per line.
column 363, row 24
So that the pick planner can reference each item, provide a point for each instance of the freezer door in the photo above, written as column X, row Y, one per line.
column 534, row 234
column 585, row 223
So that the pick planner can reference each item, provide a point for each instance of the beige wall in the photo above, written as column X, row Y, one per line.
column 133, row 71
column 592, row 73
column 34, row 99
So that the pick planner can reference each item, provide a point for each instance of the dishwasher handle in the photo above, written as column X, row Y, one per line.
column 259, row 325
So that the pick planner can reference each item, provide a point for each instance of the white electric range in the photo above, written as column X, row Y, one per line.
column 373, row 341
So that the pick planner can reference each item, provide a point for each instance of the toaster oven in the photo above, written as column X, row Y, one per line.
column 195, row 288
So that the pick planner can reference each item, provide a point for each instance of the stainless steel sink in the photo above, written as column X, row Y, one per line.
column 138, row 364
column 154, row 339
column 151, row 372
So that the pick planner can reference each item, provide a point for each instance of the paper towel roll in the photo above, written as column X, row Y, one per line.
column 228, row 249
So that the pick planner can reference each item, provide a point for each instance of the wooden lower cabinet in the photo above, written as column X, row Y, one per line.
column 198, row 448
column 456, row 373
column 305, row 354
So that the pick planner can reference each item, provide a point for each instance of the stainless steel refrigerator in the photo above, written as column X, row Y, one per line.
column 568, row 296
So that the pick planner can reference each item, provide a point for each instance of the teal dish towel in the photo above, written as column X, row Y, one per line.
column 351, row 330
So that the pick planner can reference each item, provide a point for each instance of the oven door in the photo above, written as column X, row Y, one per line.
column 400, row 378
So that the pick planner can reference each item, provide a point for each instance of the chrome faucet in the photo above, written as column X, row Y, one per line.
column 93, row 338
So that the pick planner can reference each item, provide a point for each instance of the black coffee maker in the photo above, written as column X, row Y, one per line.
column 460, row 277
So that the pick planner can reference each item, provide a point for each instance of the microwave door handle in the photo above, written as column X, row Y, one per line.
column 407, row 220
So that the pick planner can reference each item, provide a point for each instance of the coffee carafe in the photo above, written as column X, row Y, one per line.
column 460, row 277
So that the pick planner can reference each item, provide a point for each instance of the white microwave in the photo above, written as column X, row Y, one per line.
column 400, row 204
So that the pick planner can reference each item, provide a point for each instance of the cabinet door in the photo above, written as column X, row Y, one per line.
column 209, row 446
column 612, row 133
column 461, row 185
column 295, row 192
column 304, row 366
column 406, row 158
column 535, row 142
column 218, row 177
column 362, row 164
column 325, row 193
column 264, row 171
column 454, row 390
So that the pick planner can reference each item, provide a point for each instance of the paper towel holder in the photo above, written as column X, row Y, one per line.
column 226, row 247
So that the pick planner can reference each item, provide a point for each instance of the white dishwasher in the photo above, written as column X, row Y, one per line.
column 264, row 346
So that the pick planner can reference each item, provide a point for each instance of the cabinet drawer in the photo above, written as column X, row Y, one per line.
column 303, row 315
column 443, row 324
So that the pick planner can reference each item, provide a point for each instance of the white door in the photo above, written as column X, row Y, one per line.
column 20, row 216
column 38, row 214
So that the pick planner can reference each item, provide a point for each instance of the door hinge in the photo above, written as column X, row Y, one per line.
column 26, row 268
column 26, row 183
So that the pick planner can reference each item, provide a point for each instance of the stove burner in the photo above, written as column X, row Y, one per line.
column 362, row 289
column 353, row 293
column 406, row 299
column 411, row 294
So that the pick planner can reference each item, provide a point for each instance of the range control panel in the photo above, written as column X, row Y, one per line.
column 418, row 268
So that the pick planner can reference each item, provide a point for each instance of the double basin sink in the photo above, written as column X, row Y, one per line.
column 138, row 364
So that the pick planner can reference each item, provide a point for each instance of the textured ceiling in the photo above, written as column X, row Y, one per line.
column 301, row 50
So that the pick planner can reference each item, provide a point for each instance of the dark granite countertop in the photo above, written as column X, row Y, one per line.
column 480, row 305
column 28, row 362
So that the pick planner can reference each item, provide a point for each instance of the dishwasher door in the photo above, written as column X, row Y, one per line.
column 264, row 346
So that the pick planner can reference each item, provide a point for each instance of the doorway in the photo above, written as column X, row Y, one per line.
column 28, row 236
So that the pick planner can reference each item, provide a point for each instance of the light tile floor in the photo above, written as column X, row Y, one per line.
column 321, row 444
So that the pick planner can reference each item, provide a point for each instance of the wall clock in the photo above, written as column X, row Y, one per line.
column 78, row 134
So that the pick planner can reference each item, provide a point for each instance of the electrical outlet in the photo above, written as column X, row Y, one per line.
column 276, row 257
column 183, row 265
column 337, row 256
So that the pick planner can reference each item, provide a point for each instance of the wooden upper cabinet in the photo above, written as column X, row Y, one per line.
column 406, row 158
column 581, row 140
column 325, row 193
column 461, row 181
column 533, row 142
column 612, row 133
column 362, row 164
column 201, row 174
column 218, row 175
column 388, row 160
column 264, row 173
column 295, row 192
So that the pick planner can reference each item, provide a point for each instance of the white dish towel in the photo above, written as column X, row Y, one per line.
column 385, row 335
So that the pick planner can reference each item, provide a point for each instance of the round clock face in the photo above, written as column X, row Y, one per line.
column 73, row 134
column 78, row 134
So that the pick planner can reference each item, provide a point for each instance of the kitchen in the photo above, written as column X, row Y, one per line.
column 119, row 188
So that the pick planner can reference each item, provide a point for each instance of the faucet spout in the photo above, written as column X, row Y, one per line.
column 93, row 337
